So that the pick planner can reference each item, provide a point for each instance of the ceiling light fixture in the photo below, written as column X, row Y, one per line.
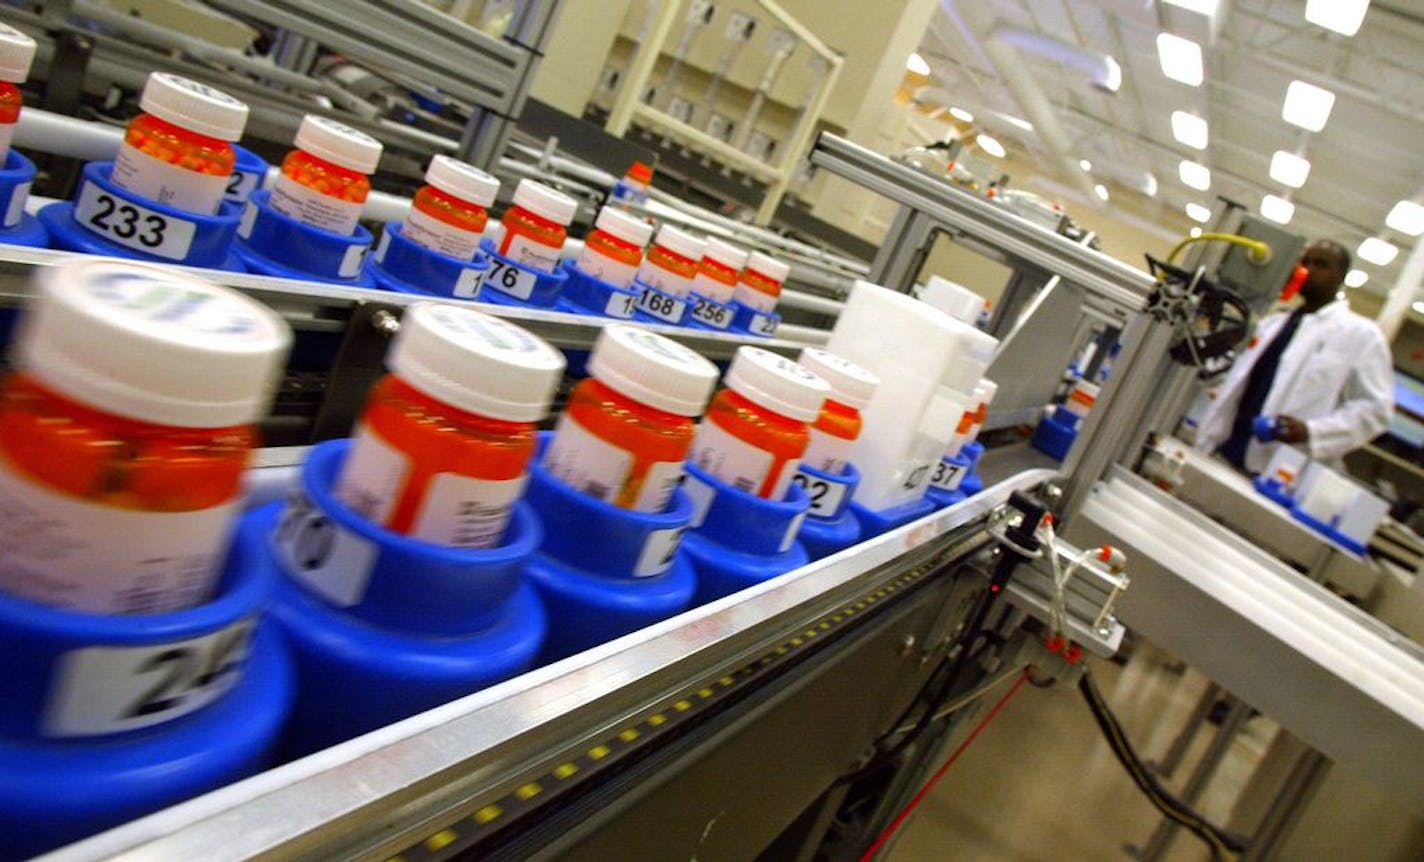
column 1307, row 106
column 1342, row 16
column 961, row 115
column 1418, row 307
column 1198, row 213
column 1194, row 232
column 1181, row 59
column 1189, row 129
column 1407, row 217
column 917, row 64
column 990, row 146
column 1085, row 165
column 1378, row 251
column 1356, row 278
column 1020, row 122
column 1194, row 175
column 1289, row 169
column 1277, row 209
column 1101, row 191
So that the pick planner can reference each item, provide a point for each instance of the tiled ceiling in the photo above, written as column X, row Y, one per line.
column 1368, row 157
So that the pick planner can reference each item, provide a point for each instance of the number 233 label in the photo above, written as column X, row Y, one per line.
column 132, row 225
column 112, row 689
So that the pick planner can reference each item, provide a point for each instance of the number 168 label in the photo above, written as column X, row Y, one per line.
column 132, row 225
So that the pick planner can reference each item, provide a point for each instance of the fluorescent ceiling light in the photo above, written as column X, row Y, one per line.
column 990, row 146
column 1085, row 165
column 1342, row 16
column 1419, row 307
column 1018, row 121
column 1197, row 212
column 1277, row 209
column 1149, row 185
column 1181, row 59
column 1195, row 232
column 1111, row 77
column 1407, row 217
column 917, row 64
column 1189, row 129
column 961, row 115
column 1203, row 7
column 1356, row 278
column 1288, row 169
column 1377, row 251
column 1101, row 191
column 1307, row 106
column 1194, row 175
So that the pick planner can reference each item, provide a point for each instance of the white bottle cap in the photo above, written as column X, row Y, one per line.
column 624, row 226
column 652, row 370
column 953, row 299
column 462, row 180
column 541, row 200
column 153, row 344
column 17, row 52
column 768, row 266
column 475, row 362
column 851, row 385
column 728, row 255
column 194, row 106
column 338, row 143
column 777, row 383
column 986, row 390
column 680, row 242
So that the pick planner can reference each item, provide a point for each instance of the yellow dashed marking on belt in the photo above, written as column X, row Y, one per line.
column 810, row 633
column 704, row 693
column 850, row 612
column 396, row 859
column 824, row 625
column 629, row 735
column 440, row 839
column 836, row 618
column 598, row 752
column 656, row 719
column 726, row 681
column 682, row 706
column 565, row 770
column 488, row 813
column 781, row 650
column 796, row 642
column 766, row 659
column 529, row 791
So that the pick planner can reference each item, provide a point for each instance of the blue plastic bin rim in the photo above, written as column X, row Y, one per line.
column 796, row 502
column 571, row 268
column 229, row 212
column 478, row 262
column 488, row 247
column 678, row 513
column 17, row 163
column 522, row 537
column 247, row 161
column 261, row 199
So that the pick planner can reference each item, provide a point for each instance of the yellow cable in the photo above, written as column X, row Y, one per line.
column 1260, row 251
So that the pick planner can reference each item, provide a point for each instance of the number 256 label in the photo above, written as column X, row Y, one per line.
column 112, row 689
column 132, row 225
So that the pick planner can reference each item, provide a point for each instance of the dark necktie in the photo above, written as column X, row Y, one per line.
column 1258, row 386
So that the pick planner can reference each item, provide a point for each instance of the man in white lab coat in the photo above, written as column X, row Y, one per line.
column 1322, row 371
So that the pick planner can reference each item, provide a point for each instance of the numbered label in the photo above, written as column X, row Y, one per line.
column 379, row 255
column 702, row 495
column 352, row 261
column 510, row 279
column 792, row 530
column 764, row 324
column 16, row 208
column 710, row 313
column 661, row 306
column 621, row 305
column 331, row 561
column 826, row 497
column 113, row 689
column 948, row 476
column 133, row 226
column 468, row 285
column 658, row 552
column 241, row 185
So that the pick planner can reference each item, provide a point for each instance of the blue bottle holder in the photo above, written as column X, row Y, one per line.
column 248, row 173
column 1274, row 490
column 973, row 483
column 18, row 227
column 947, row 480
column 107, row 718
column 873, row 522
column 273, row 243
column 584, row 294
column 1328, row 531
column 510, row 283
column 748, row 320
column 407, row 267
column 105, row 219
column 389, row 580
column 1055, row 434
column 738, row 539
column 655, row 306
column 704, row 313
column 830, row 524
column 604, row 571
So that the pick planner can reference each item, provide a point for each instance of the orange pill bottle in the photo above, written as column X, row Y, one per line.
column 838, row 425
column 534, row 228
column 671, row 263
column 718, row 271
column 756, row 432
column 17, row 51
column 448, row 214
column 441, row 451
column 325, row 181
column 125, row 432
column 759, row 286
column 972, row 422
column 613, row 250
column 179, row 150
column 628, row 427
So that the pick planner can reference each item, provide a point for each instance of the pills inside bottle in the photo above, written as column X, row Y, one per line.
column 628, row 427
column 534, row 227
column 448, row 214
column 441, row 451
column 718, row 271
column 756, row 429
column 671, row 262
column 759, row 286
column 613, row 250
column 326, row 179
column 838, row 425
column 125, row 432
column 17, row 51
column 179, row 150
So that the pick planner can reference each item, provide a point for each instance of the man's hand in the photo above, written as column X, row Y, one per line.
column 1291, row 429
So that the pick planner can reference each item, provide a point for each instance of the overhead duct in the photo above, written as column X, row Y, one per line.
column 1103, row 71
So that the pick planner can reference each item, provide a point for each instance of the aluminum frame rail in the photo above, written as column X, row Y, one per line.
column 459, row 765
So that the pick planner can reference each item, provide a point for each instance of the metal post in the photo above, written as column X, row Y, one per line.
column 1286, row 809
column 636, row 78
column 907, row 243
column 1173, row 758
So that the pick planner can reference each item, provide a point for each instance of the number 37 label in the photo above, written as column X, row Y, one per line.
column 112, row 689
column 132, row 225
